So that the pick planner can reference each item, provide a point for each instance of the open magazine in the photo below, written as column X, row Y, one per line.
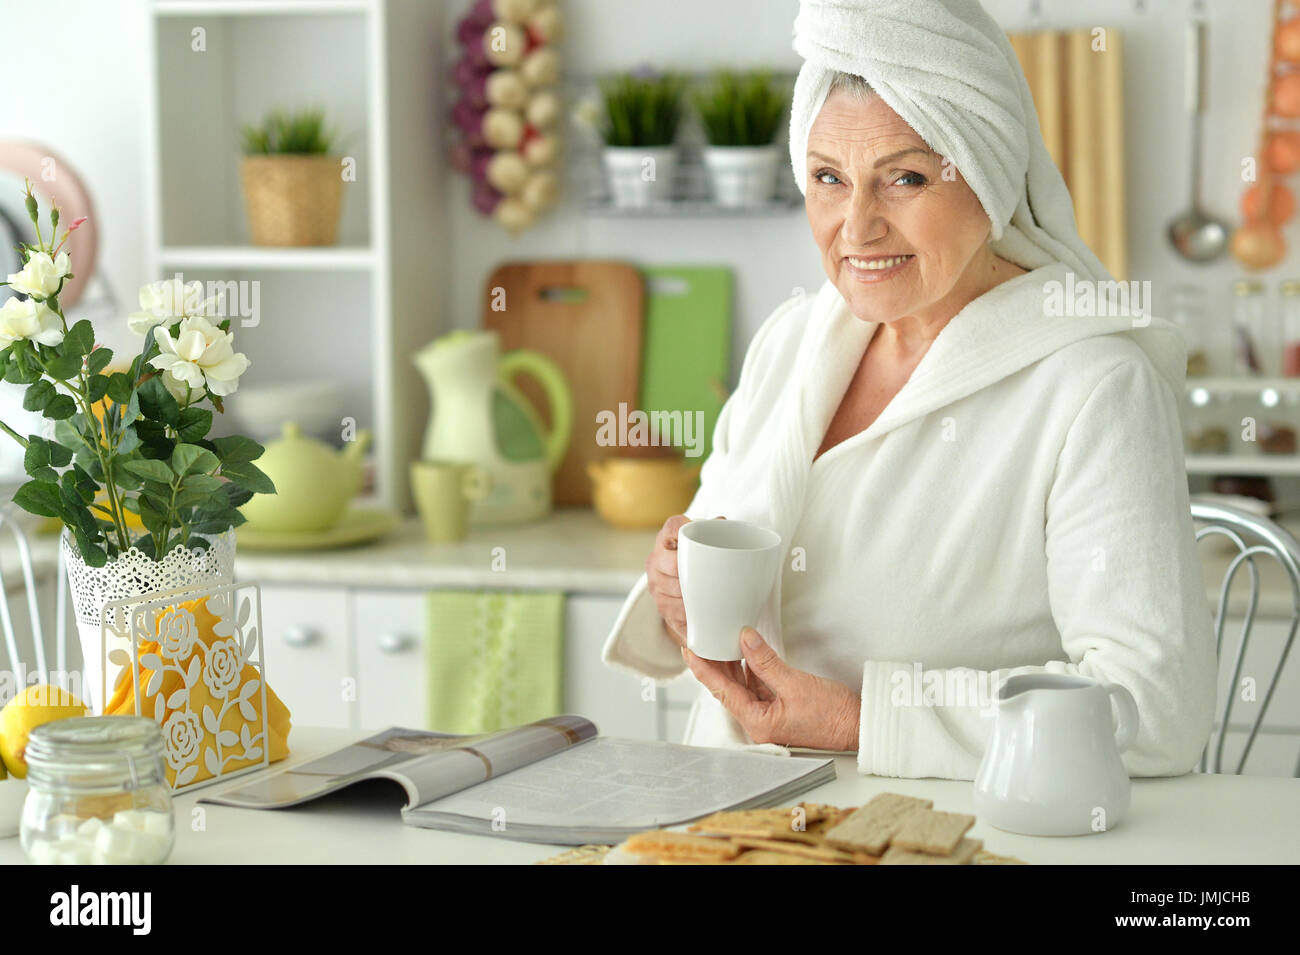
column 552, row 781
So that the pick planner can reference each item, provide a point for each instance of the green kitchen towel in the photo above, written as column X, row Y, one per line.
column 494, row 658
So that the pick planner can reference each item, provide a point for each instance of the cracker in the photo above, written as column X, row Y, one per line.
column 660, row 844
column 767, row 857
column 961, row 855
column 806, row 850
column 984, row 857
column 932, row 831
column 870, row 828
column 760, row 823
column 579, row 855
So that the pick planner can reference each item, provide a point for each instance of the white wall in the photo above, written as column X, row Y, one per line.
column 90, row 56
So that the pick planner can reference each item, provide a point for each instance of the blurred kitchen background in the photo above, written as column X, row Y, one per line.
column 146, row 101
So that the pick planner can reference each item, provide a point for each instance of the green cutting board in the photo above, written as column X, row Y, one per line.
column 686, row 343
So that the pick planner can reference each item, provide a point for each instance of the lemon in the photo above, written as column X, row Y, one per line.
column 30, row 708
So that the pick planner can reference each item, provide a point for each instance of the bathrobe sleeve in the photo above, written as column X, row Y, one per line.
column 1126, row 591
column 639, row 641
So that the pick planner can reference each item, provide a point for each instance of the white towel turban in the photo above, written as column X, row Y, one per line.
column 948, row 70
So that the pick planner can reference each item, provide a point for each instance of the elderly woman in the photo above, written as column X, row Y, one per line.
column 970, row 481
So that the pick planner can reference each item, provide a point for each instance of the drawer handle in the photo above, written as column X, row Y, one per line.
column 301, row 636
column 396, row 642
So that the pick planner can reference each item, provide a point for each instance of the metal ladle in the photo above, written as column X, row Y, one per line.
column 1194, row 234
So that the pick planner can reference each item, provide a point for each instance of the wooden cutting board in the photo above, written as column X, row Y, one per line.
column 586, row 316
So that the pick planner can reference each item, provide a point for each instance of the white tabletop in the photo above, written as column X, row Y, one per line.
column 1189, row 819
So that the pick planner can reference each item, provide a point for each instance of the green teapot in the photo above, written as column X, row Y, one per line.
column 313, row 481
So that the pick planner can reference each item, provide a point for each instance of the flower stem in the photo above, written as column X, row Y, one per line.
column 13, row 434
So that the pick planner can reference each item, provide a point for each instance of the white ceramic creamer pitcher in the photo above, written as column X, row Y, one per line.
column 1052, row 766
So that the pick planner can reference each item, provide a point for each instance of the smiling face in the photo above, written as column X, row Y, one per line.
column 897, row 238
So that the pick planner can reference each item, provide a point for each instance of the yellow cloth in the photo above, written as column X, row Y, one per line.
column 183, row 724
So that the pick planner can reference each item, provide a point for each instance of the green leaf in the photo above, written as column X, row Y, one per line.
column 64, row 367
column 36, row 459
column 98, row 360
column 150, row 470
column 199, row 489
column 194, row 423
column 60, row 407
column 128, row 440
column 248, row 475
column 80, row 339
column 191, row 459
column 237, row 449
column 237, row 496
column 120, row 387
column 157, row 403
column 39, row 395
column 91, row 553
column 97, row 388
column 59, row 455
column 39, row 497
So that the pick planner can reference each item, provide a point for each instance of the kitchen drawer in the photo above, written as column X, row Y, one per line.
column 308, row 662
column 389, row 642
column 618, row 702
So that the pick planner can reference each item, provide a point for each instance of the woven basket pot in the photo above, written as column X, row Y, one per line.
column 292, row 200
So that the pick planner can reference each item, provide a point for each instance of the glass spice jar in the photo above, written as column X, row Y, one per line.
column 1255, row 343
column 1187, row 311
column 98, row 793
column 1290, row 294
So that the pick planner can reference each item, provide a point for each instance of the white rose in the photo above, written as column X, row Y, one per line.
column 29, row 319
column 182, row 734
column 167, row 301
column 200, row 355
column 177, row 634
column 41, row 275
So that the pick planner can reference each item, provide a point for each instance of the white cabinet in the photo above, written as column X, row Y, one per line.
column 389, row 637
column 354, row 657
column 308, row 660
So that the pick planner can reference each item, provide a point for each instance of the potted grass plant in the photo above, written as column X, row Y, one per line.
column 640, row 113
column 740, row 114
column 293, row 182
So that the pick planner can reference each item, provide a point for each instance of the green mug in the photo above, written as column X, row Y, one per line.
column 443, row 491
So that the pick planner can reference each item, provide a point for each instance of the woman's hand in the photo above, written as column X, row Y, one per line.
column 661, row 578
column 775, row 703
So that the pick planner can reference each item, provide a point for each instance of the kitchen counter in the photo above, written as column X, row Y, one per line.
column 1184, row 820
column 573, row 550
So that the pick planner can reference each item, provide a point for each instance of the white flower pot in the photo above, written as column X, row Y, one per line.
column 133, row 574
column 742, row 175
column 640, row 176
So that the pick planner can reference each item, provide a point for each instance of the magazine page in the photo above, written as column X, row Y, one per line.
column 612, row 785
column 427, row 765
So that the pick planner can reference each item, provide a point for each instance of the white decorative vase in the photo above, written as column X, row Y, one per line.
column 133, row 574
column 742, row 175
column 640, row 176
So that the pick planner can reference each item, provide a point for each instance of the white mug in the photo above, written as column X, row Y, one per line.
column 726, row 570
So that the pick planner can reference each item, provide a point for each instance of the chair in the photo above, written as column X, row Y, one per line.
column 24, row 553
column 1254, row 536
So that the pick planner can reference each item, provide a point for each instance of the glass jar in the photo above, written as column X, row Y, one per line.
column 1256, row 345
column 1290, row 292
column 98, row 793
column 1187, row 311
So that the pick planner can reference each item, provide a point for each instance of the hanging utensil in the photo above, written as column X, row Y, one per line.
column 1196, row 235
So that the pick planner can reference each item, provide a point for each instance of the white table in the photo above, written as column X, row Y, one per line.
column 1189, row 819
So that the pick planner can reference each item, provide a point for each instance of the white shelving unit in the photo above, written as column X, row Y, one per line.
column 1269, row 398
column 353, row 312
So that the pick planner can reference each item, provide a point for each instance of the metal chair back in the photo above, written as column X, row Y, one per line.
column 1254, row 537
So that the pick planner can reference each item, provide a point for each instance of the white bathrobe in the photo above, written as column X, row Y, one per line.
column 1019, row 506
